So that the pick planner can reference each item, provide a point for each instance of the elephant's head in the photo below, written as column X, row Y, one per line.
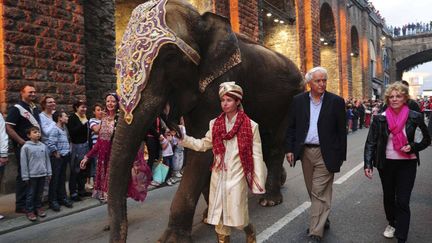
column 168, row 46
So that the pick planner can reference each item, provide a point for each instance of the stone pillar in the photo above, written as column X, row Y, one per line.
column 100, row 49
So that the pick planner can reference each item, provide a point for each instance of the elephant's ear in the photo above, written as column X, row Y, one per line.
column 219, row 48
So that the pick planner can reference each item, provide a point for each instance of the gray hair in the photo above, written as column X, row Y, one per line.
column 309, row 74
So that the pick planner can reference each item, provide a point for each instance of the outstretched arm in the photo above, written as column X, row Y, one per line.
column 200, row 145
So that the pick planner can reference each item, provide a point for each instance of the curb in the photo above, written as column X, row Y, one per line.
column 9, row 225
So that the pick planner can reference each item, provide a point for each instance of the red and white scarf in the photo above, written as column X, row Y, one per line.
column 243, row 130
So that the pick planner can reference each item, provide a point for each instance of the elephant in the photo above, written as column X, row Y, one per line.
column 186, row 71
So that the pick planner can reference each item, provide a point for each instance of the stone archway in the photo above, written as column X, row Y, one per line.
column 279, row 28
column 357, row 80
column 412, row 61
column 328, row 50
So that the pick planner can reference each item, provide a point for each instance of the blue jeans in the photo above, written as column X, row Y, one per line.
column 34, row 193
column 57, row 187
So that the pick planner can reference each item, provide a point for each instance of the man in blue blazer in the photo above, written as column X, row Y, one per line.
column 317, row 136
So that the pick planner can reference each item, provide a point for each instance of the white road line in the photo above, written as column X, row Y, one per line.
column 267, row 233
column 345, row 177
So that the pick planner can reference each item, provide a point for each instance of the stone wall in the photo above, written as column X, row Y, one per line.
column 284, row 39
column 329, row 60
column 248, row 14
column 99, row 49
column 357, row 83
column 44, row 45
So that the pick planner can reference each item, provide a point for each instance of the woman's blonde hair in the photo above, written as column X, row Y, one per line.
column 398, row 87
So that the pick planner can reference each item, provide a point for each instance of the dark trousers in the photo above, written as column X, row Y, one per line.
column 21, row 186
column 57, row 187
column 397, row 179
column 78, row 177
column 34, row 193
column 355, row 124
column 168, row 160
column 153, row 148
column 361, row 121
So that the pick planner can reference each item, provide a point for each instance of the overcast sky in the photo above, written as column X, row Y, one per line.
column 400, row 12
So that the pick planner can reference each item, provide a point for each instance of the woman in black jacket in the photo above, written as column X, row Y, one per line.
column 391, row 148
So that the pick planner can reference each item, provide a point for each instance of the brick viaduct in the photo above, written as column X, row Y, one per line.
column 66, row 48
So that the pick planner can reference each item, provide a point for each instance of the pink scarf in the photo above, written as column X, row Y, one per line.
column 396, row 124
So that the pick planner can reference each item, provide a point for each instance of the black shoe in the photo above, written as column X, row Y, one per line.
column 85, row 194
column 314, row 239
column 66, row 203
column 327, row 224
column 55, row 206
column 76, row 198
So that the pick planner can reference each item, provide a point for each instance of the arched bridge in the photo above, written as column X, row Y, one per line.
column 410, row 51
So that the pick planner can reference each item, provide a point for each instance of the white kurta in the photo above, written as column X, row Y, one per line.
column 228, row 189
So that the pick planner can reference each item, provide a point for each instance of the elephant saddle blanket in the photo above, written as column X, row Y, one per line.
column 145, row 34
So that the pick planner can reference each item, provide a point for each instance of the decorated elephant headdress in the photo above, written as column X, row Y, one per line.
column 145, row 34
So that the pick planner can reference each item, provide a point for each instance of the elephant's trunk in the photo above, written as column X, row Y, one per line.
column 125, row 145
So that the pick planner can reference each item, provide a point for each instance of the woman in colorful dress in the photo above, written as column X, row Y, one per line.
column 141, row 173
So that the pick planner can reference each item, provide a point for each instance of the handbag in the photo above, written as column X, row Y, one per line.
column 160, row 172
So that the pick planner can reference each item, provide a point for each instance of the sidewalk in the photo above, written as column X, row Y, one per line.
column 13, row 221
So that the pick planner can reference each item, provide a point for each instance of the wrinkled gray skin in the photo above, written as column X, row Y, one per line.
column 269, row 81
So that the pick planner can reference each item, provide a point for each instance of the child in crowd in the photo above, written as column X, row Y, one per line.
column 349, row 116
column 35, row 167
column 178, row 157
column 59, row 148
column 167, row 149
column 94, row 125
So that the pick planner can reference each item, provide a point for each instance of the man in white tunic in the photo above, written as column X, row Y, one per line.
column 238, row 164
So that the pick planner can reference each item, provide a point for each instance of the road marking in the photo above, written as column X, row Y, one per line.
column 349, row 173
column 267, row 233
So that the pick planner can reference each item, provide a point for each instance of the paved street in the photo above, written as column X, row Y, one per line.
column 357, row 213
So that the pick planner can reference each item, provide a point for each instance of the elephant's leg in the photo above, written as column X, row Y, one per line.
column 122, row 156
column 273, row 195
column 196, row 178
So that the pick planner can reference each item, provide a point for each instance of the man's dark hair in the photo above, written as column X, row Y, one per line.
column 56, row 115
column 404, row 82
column 26, row 85
column 32, row 128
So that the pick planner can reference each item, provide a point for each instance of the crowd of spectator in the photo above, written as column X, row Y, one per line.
column 360, row 112
column 47, row 141
column 411, row 29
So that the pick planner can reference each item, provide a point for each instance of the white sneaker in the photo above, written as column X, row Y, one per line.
column 155, row 183
column 389, row 232
column 178, row 174
column 170, row 182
